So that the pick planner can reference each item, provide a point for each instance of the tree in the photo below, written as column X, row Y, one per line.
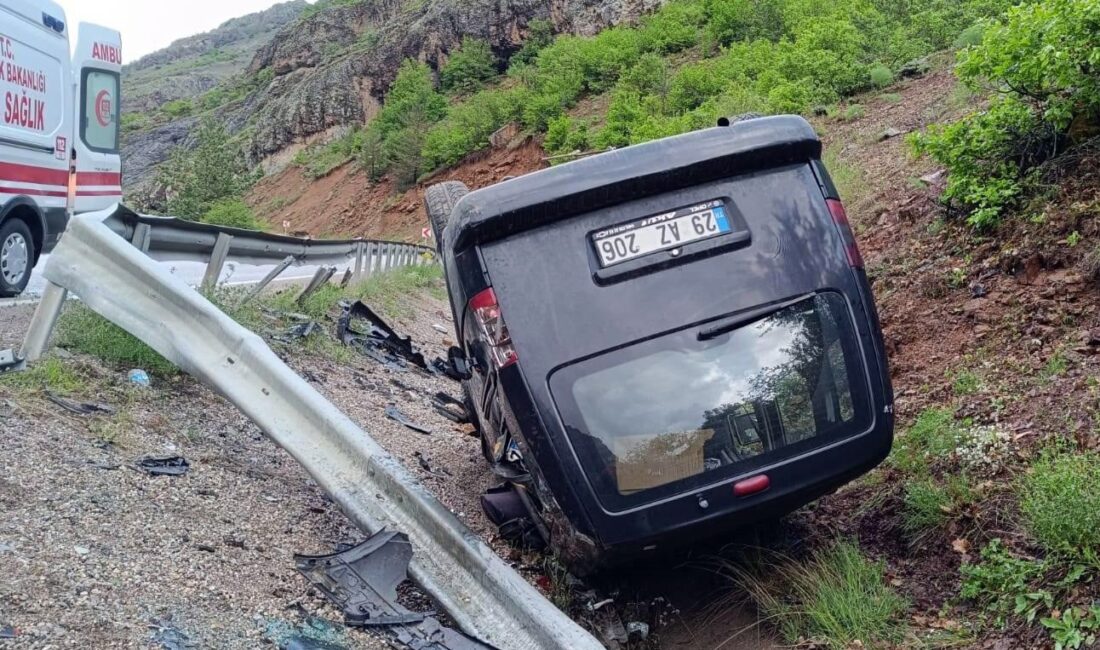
column 196, row 179
column 395, row 138
column 469, row 67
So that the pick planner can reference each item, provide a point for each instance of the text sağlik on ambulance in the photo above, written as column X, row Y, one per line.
column 25, row 91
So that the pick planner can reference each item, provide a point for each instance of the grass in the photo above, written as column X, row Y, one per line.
column 837, row 598
column 1055, row 366
column 933, row 435
column 51, row 373
column 929, row 504
column 83, row 330
column 966, row 383
column 1061, row 504
column 849, row 179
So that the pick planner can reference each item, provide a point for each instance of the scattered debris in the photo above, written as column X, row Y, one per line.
column 362, row 582
column 394, row 413
column 439, row 328
column 450, row 408
column 7, row 632
column 169, row 637
column 507, row 506
column 139, row 377
column 80, row 408
column 163, row 466
column 381, row 342
column 306, row 643
column 441, row 367
column 300, row 331
column 637, row 631
column 890, row 132
column 9, row 361
column 933, row 177
column 81, row 550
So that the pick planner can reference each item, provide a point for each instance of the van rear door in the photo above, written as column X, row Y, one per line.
column 97, row 69
column 35, row 89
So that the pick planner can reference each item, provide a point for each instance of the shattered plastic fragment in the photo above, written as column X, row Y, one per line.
column 164, row 466
column 80, row 408
column 394, row 413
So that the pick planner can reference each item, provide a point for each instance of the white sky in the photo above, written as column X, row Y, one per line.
column 149, row 25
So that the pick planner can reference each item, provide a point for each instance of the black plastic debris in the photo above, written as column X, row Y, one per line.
column 297, row 332
column 362, row 582
column 394, row 413
column 379, row 341
column 450, row 408
column 306, row 643
column 163, row 466
column 509, row 507
column 79, row 408
column 439, row 366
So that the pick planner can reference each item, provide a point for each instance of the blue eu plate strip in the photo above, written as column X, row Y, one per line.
column 721, row 220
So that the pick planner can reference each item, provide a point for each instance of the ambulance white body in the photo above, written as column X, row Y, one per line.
column 59, row 130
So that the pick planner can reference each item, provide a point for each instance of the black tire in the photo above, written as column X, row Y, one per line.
column 17, row 257
column 439, row 201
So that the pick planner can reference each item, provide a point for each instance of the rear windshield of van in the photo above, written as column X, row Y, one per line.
column 99, row 110
column 677, row 413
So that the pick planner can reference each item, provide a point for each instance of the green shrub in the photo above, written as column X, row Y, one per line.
column 469, row 125
column 930, row 504
column 399, row 131
column 468, row 67
column 881, row 76
column 1001, row 582
column 932, row 436
column 674, row 28
column 969, row 37
column 233, row 213
column 83, row 330
column 540, row 33
column 1061, row 503
column 214, row 170
column 178, row 108
column 566, row 135
column 693, row 85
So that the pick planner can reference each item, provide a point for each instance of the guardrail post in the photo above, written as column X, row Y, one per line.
column 217, row 261
column 323, row 275
column 360, row 259
column 408, row 255
column 275, row 272
column 142, row 233
column 402, row 255
column 43, row 322
column 384, row 263
column 372, row 255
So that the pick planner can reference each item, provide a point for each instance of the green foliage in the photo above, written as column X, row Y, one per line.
column 566, row 135
column 836, row 597
column 469, row 67
column 930, row 504
column 969, row 37
column 233, row 213
column 1076, row 627
column 83, row 330
column 134, row 122
column 178, row 108
column 320, row 161
column 1003, row 584
column 881, row 75
column 468, row 125
column 1061, row 504
column 1041, row 56
column 674, row 28
column 933, row 436
column 966, row 383
column 401, row 127
column 540, row 33
column 50, row 373
column 196, row 179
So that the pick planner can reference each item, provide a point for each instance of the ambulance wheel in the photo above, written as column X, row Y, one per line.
column 439, row 201
column 16, row 257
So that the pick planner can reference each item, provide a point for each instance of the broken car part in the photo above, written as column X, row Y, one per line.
column 362, row 581
column 450, row 408
column 163, row 466
column 79, row 408
column 394, row 413
column 386, row 344
column 10, row 361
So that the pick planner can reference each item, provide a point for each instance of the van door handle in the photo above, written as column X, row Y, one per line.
column 749, row 316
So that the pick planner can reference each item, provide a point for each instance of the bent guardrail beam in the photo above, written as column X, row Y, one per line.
column 484, row 596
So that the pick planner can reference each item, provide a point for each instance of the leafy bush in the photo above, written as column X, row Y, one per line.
column 970, row 36
column 930, row 504
column 214, row 170
column 566, row 135
column 933, row 436
column 1061, row 504
column 469, row 125
column 540, row 33
column 400, row 129
column 469, row 67
column 1001, row 582
column 1041, row 55
column 881, row 76
column 178, row 108
column 233, row 213
column 674, row 28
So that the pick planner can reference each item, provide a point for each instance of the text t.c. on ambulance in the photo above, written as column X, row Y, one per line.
column 59, row 130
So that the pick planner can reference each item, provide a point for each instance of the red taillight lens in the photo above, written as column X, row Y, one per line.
column 840, row 218
column 493, row 329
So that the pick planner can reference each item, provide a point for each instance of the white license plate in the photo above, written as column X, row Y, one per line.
column 660, row 232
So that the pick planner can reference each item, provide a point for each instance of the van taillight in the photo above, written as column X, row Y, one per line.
column 840, row 218
column 493, row 328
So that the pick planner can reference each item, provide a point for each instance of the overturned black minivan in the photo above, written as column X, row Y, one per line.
column 666, row 341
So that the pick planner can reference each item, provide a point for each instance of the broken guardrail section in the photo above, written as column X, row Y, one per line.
column 481, row 593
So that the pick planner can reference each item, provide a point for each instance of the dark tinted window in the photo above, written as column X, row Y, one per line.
column 676, row 412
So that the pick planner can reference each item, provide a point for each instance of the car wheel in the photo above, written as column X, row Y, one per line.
column 16, row 257
column 439, row 201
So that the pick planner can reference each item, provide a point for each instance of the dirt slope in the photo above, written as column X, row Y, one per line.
column 345, row 203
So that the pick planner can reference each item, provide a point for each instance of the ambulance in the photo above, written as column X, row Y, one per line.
column 59, row 130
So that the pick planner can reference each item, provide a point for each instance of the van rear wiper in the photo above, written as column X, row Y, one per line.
column 749, row 316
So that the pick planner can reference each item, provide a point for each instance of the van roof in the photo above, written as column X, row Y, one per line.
column 33, row 10
column 625, row 174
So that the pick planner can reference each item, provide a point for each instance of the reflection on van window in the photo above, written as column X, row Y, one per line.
column 99, row 114
column 682, row 408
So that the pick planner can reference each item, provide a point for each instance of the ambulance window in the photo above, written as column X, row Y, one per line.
column 99, row 110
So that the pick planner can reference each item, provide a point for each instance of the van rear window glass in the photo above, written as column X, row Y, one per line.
column 99, row 110
column 676, row 413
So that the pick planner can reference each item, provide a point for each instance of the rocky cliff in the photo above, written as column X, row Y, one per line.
column 331, row 67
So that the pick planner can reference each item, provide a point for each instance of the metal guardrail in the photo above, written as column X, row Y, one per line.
column 484, row 596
